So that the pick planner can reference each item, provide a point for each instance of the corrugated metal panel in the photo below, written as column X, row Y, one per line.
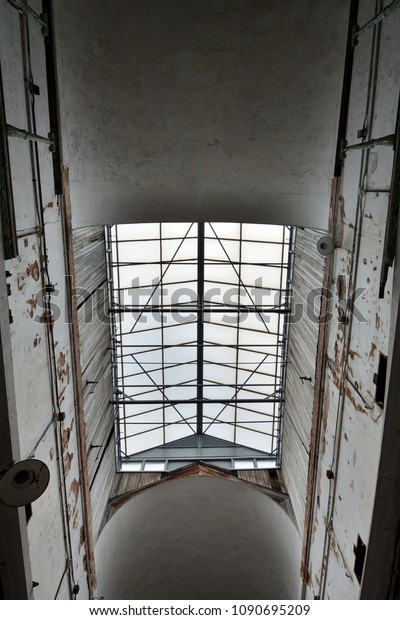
column 94, row 331
column 101, row 488
column 299, row 393
column 99, row 424
column 90, row 256
column 95, row 354
column 95, row 358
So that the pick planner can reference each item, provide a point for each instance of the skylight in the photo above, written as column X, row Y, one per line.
column 199, row 331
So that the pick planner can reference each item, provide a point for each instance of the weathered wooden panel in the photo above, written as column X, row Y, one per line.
column 134, row 480
column 263, row 477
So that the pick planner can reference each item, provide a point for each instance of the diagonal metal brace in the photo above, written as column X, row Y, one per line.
column 16, row 132
column 369, row 144
column 41, row 18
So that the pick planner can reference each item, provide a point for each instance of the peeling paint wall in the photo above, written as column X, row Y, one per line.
column 350, row 436
column 139, row 149
column 40, row 328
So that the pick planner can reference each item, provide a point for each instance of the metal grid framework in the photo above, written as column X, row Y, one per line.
column 199, row 317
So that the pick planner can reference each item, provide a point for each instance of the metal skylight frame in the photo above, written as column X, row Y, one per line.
column 198, row 372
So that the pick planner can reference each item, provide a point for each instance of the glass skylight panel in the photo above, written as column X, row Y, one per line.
column 199, row 324
column 244, row 464
column 154, row 466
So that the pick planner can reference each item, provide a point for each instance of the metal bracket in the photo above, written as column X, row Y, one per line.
column 392, row 221
column 16, row 132
column 390, row 8
column 369, row 144
column 41, row 18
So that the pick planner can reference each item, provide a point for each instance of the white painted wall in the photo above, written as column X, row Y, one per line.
column 199, row 537
column 352, row 422
column 41, row 357
column 138, row 149
column 186, row 110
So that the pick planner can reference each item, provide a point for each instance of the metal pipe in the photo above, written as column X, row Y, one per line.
column 237, row 330
column 46, row 280
column 346, row 88
column 384, row 141
column 200, row 326
column 162, row 334
column 52, row 95
column 184, row 309
column 78, row 389
column 36, row 230
column 193, row 455
column 61, row 581
column 16, row 132
column 113, row 338
column 187, row 386
column 22, row 5
column 316, row 425
column 158, row 424
column 341, row 404
column 353, row 271
column 390, row 8
column 285, row 340
column 192, row 344
column 192, row 401
column 7, row 211
column 368, row 404
column 392, row 220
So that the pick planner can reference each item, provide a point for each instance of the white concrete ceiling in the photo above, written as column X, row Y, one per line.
column 185, row 110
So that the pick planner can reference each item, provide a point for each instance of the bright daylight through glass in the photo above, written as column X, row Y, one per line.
column 199, row 331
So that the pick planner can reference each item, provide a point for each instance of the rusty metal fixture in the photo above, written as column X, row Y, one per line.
column 23, row 7
column 17, row 132
column 389, row 249
column 7, row 212
column 78, row 388
column 325, row 245
column 344, row 392
column 320, row 370
column 383, row 141
column 24, row 482
column 390, row 8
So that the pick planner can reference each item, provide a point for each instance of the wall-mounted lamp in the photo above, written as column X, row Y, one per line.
column 23, row 483
column 325, row 245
